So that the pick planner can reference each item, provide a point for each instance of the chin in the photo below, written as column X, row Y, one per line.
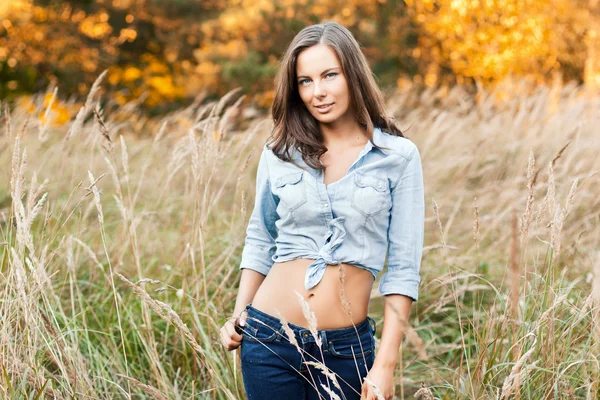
column 326, row 118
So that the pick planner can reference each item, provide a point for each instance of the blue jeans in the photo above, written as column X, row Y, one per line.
column 274, row 368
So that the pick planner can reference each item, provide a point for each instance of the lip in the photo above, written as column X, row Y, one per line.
column 328, row 104
column 325, row 110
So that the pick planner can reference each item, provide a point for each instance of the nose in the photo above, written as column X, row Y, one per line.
column 318, row 90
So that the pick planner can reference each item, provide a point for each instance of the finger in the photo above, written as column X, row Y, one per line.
column 240, row 324
column 229, row 326
column 226, row 334
column 234, row 334
column 228, row 342
column 367, row 392
column 224, row 338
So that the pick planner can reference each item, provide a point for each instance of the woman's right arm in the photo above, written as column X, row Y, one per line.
column 259, row 248
column 249, row 284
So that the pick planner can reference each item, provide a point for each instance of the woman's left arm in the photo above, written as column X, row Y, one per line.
column 399, row 286
column 395, row 316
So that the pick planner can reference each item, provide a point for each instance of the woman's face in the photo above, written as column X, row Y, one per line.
column 321, row 82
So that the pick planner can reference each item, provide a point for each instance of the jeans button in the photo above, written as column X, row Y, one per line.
column 305, row 334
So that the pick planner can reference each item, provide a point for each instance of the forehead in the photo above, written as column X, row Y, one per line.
column 313, row 60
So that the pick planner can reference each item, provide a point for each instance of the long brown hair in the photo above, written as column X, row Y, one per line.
column 294, row 127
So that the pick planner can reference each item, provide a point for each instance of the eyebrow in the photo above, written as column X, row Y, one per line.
column 322, row 73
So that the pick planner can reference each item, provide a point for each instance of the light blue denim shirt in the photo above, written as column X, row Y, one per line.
column 375, row 211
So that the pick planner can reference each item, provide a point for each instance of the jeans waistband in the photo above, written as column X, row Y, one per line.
column 338, row 333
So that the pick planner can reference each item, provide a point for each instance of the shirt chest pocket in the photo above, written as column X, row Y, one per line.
column 370, row 194
column 291, row 189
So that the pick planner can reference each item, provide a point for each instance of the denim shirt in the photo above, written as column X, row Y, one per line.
column 375, row 211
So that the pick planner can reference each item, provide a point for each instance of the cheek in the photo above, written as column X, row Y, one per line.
column 341, row 89
column 304, row 96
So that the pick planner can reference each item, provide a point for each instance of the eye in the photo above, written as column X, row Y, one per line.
column 332, row 73
column 300, row 82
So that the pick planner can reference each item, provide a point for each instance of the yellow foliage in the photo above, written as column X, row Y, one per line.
column 127, row 35
column 19, row 9
column 154, row 77
column 131, row 74
column 163, row 85
column 114, row 75
column 490, row 39
column 59, row 114
column 95, row 26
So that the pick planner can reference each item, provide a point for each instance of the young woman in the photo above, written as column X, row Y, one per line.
column 338, row 191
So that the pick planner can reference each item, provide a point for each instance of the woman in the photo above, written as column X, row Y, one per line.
column 337, row 186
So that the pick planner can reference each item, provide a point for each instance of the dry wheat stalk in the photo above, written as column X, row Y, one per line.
column 343, row 298
column 310, row 318
column 326, row 371
column 330, row 392
column 424, row 393
column 517, row 374
column 42, row 133
column 555, row 231
column 476, row 235
column 84, row 111
column 374, row 388
column 527, row 214
column 152, row 391
column 165, row 312
column 570, row 197
column 289, row 332
column 439, row 223
column 514, row 272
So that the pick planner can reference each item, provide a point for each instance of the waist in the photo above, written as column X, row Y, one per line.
column 345, row 332
column 341, row 298
column 293, row 272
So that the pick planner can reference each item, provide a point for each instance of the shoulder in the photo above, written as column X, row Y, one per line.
column 278, row 169
column 396, row 145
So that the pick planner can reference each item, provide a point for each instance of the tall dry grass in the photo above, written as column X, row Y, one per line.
column 117, row 270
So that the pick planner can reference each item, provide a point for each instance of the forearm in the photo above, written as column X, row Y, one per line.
column 395, row 316
column 249, row 284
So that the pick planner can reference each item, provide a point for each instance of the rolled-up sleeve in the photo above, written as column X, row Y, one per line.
column 406, row 231
column 261, row 232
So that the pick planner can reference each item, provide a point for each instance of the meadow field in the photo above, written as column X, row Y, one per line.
column 121, row 236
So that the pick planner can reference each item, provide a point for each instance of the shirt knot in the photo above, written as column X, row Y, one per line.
column 334, row 238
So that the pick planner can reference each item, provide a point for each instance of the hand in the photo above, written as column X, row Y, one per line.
column 231, row 332
column 383, row 380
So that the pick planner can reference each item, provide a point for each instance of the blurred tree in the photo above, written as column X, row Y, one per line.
column 71, row 42
column 592, row 43
column 247, row 39
column 489, row 39
column 174, row 50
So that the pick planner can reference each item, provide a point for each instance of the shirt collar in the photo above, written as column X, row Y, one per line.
column 377, row 139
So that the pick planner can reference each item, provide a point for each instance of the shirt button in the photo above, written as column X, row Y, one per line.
column 325, row 205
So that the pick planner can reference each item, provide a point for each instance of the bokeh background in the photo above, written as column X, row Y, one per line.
column 130, row 133
column 169, row 51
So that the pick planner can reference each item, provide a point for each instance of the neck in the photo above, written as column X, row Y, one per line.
column 343, row 134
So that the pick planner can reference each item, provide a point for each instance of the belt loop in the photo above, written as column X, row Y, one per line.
column 324, row 341
column 280, row 334
column 374, row 324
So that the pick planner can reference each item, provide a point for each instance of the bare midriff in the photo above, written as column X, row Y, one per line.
column 276, row 296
